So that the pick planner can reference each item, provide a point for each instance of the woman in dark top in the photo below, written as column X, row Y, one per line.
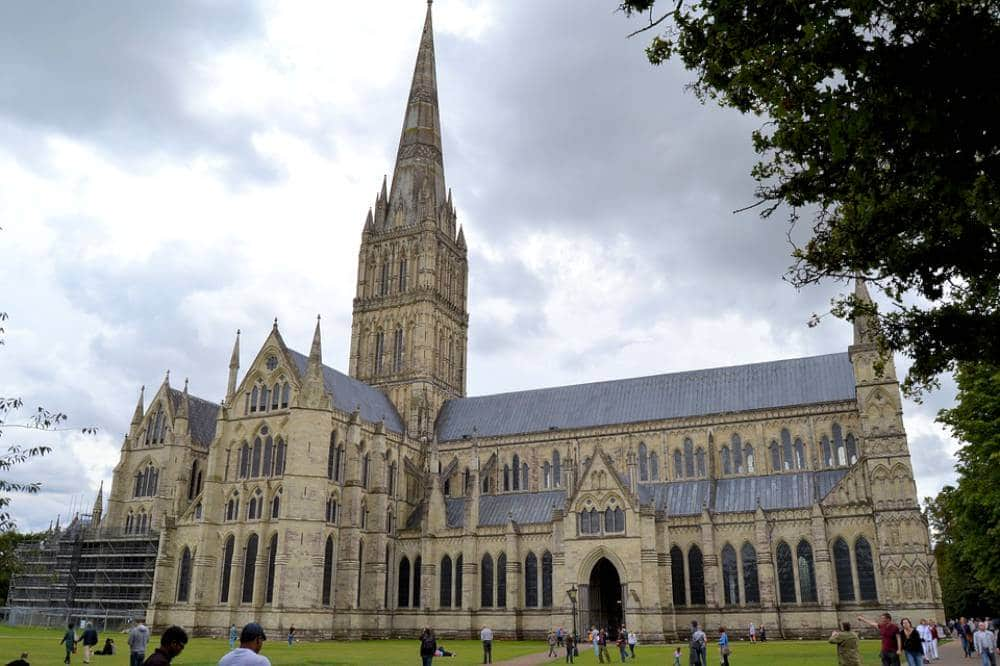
column 913, row 645
column 427, row 647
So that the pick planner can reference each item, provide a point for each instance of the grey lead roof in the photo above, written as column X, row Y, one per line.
column 202, row 416
column 349, row 393
column 794, row 490
column 800, row 381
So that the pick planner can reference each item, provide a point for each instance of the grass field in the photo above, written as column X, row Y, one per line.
column 43, row 648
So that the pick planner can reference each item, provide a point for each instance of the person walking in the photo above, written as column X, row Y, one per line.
column 486, row 636
column 560, row 636
column 752, row 633
column 892, row 645
column 252, row 639
column 234, row 634
column 762, row 634
column 632, row 641
column 291, row 635
column 985, row 644
column 602, row 645
column 622, row 643
column 570, row 642
column 552, row 644
column 913, row 643
column 699, row 644
column 594, row 636
column 89, row 640
column 724, row 650
column 847, row 646
column 69, row 638
column 427, row 646
column 925, row 638
column 172, row 643
column 138, row 639
column 961, row 628
column 934, row 640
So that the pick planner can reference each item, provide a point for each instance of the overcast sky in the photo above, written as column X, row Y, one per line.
column 170, row 172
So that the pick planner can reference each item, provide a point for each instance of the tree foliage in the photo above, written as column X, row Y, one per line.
column 967, row 517
column 881, row 121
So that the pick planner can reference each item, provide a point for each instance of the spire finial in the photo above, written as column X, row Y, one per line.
column 234, row 369
column 166, row 379
column 275, row 327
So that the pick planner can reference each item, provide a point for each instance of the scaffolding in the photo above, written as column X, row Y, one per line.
column 101, row 575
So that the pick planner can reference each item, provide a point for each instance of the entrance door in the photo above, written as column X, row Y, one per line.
column 606, row 609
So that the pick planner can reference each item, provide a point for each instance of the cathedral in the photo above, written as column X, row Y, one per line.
column 380, row 501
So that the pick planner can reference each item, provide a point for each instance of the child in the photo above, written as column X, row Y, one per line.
column 677, row 657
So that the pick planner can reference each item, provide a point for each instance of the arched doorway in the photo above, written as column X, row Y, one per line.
column 605, row 591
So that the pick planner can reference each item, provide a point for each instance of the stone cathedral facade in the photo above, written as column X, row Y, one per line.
column 377, row 502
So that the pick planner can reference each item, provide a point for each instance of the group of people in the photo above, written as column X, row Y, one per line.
column 625, row 640
column 916, row 644
column 977, row 638
column 171, row 644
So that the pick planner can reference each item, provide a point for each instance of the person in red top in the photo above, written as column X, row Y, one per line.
column 892, row 644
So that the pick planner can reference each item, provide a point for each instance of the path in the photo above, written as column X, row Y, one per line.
column 951, row 655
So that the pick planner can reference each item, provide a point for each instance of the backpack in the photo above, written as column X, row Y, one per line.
column 427, row 645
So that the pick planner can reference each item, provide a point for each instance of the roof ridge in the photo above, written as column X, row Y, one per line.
column 657, row 375
column 191, row 396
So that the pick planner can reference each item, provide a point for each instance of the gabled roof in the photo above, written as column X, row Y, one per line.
column 202, row 416
column 349, row 393
column 800, row 381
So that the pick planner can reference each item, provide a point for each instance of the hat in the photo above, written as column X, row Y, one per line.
column 251, row 632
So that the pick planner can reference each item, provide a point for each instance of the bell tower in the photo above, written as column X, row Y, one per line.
column 410, row 324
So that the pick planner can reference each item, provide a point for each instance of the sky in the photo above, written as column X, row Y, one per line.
column 172, row 172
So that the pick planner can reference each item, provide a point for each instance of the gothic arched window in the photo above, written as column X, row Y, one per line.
column 524, row 476
column 556, row 469
column 800, row 454
column 379, row 352
column 688, row 458
column 838, row 444
column 331, row 510
column 737, row 453
column 403, row 583
column 502, row 580
column 193, row 482
column 327, row 571
column 619, row 520
column 416, row 582
column 486, row 582
column 244, row 460
column 250, row 568
column 531, row 581
column 458, row 582
column 255, row 458
column 643, row 462
column 677, row 576
column 786, row 576
column 786, row 449
column 279, row 458
column 826, row 452
column 696, row 576
column 852, row 450
column 331, row 460
column 748, row 457
column 609, row 520
column 547, row 579
column 842, row 566
column 276, row 505
column 678, row 465
column 775, row 456
column 445, row 582
column 286, row 393
column 184, row 576
column 654, row 466
column 517, row 467
column 727, row 466
column 700, row 458
column 807, row 572
column 506, row 477
column 227, row 568
column 276, row 396
column 730, row 576
column 402, row 275
column 866, row 569
column 253, row 399
column 272, row 558
column 546, row 475
column 751, row 589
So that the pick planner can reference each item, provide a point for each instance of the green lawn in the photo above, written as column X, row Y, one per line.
column 43, row 648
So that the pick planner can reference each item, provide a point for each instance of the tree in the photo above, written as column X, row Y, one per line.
column 971, row 511
column 880, row 124
column 9, row 542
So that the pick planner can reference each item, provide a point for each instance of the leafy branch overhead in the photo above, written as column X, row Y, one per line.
column 880, row 127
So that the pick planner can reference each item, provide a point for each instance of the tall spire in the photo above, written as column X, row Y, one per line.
column 316, row 351
column 139, row 407
column 234, row 370
column 95, row 513
column 419, row 157
column 862, row 322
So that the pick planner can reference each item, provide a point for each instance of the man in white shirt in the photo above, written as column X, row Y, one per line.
column 985, row 644
column 486, row 636
column 248, row 653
